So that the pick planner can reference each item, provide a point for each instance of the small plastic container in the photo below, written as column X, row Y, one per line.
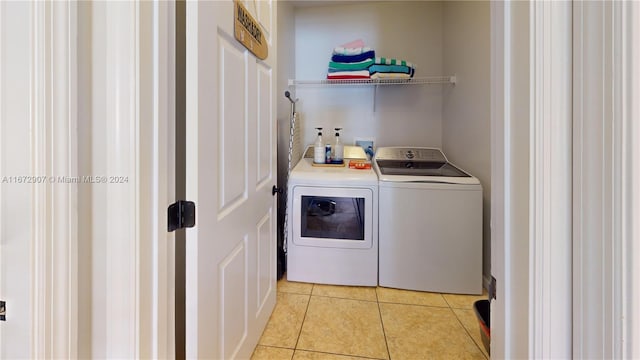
column 359, row 164
column 482, row 309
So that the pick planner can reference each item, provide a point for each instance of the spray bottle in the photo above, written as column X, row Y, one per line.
column 318, row 148
column 338, row 148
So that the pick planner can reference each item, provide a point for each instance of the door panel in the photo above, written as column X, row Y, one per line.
column 230, row 169
column 232, row 129
column 265, row 126
column 265, row 262
column 234, row 304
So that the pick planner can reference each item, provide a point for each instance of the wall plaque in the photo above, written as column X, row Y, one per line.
column 249, row 32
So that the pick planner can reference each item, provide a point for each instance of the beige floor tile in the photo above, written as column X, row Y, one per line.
column 345, row 292
column 343, row 326
column 463, row 301
column 284, row 325
column 387, row 295
column 294, row 287
column 271, row 353
column 470, row 322
column 313, row 355
column 423, row 332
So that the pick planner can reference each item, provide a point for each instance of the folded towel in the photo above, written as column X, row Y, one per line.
column 389, row 61
column 333, row 70
column 391, row 69
column 353, row 58
column 350, row 51
column 390, row 76
column 353, row 44
column 339, row 75
column 361, row 65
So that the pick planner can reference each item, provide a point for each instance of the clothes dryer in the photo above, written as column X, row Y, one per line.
column 333, row 231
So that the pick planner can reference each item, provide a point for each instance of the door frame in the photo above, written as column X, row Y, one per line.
column 504, row 223
column 54, row 247
column 533, row 251
column 136, row 320
column 606, row 177
column 138, row 307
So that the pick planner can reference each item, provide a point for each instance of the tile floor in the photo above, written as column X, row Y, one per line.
column 313, row 321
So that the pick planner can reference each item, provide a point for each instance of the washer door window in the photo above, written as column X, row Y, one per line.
column 332, row 217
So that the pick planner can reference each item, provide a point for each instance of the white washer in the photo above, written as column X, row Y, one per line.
column 333, row 216
column 430, row 222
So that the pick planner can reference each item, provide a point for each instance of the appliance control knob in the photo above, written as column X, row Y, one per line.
column 409, row 165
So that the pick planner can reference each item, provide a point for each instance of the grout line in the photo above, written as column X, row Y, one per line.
column 345, row 298
column 463, row 308
column 293, row 351
column 469, row 334
column 293, row 292
column 275, row 346
column 384, row 333
column 303, row 318
column 423, row 305
column 447, row 302
column 339, row 354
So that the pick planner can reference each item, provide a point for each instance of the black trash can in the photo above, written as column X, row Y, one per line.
column 482, row 310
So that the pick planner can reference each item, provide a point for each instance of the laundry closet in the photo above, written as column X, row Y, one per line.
column 446, row 106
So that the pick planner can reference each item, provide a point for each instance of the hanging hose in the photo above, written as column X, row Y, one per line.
column 292, row 128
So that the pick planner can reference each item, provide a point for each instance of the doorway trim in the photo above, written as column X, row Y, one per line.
column 630, row 20
column 53, row 102
column 550, row 162
column 606, row 174
column 605, row 162
column 531, row 157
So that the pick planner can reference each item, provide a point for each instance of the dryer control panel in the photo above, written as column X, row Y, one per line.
column 411, row 154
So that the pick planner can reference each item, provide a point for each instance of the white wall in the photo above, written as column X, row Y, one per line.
column 409, row 115
column 466, row 113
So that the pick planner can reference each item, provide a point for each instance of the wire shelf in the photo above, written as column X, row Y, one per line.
column 371, row 82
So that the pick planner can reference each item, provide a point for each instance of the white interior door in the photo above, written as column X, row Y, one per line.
column 230, row 170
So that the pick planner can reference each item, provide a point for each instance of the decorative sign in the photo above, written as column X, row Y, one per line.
column 248, row 31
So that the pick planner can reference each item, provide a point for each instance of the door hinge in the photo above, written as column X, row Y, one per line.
column 181, row 214
column 492, row 288
column 3, row 311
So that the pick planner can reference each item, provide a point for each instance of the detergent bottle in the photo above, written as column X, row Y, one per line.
column 338, row 148
column 318, row 149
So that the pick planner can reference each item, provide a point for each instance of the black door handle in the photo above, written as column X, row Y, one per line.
column 275, row 190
